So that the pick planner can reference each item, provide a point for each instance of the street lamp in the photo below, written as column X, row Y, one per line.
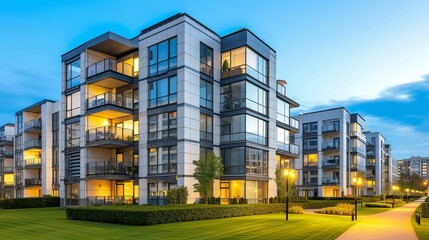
column 408, row 193
column 289, row 173
column 356, row 183
column 394, row 188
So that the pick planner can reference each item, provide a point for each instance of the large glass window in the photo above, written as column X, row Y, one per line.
column 163, row 91
column 236, row 160
column 310, row 143
column 163, row 160
column 206, row 94
column 310, row 127
column 310, row 160
column 233, row 160
column 283, row 112
column 206, row 127
column 73, row 74
column 256, row 161
column 243, row 127
column 73, row 105
column 243, row 94
column 206, row 60
column 282, row 139
column 162, row 57
column 162, row 126
column 72, row 135
column 20, row 123
column 244, row 60
column 284, row 162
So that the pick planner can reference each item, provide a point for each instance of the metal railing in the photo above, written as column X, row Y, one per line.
column 110, row 98
column 6, row 153
column 357, row 149
column 8, row 169
column 330, row 128
column 33, row 143
column 290, row 148
column 108, row 200
column 331, row 146
column 243, row 103
column 110, row 64
column 331, row 163
column 109, row 133
column 358, row 134
column 7, row 138
column 33, row 162
column 33, row 181
column 370, row 163
column 35, row 123
column 330, row 180
column 108, row 167
column 311, row 164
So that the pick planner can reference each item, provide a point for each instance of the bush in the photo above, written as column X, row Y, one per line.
column 424, row 209
column 296, row 210
column 143, row 215
column 340, row 209
column 378, row 205
column 37, row 202
column 178, row 195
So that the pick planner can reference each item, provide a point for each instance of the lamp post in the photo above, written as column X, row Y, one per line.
column 394, row 187
column 356, row 181
column 408, row 193
column 288, row 173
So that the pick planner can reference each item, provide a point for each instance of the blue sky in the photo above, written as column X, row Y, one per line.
column 370, row 56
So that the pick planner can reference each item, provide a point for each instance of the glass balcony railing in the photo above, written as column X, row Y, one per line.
column 358, row 134
column 330, row 128
column 109, row 133
column 331, row 163
column 109, row 200
column 7, row 138
column 311, row 164
column 110, row 98
column 8, row 169
column 358, row 150
column 370, row 163
column 330, row 180
column 330, row 146
column 33, row 182
column 33, row 124
column 109, row 168
column 112, row 65
column 33, row 143
column 281, row 89
column 243, row 103
column 6, row 153
column 33, row 162
column 288, row 147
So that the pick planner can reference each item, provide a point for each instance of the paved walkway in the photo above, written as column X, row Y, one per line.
column 394, row 224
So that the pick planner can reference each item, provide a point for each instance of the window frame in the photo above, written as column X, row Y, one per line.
column 204, row 50
column 170, row 58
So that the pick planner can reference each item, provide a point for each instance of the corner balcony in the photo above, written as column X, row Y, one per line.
column 290, row 123
column 33, row 182
column 109, row 170
column 109, row 73
column 6, row 140
column 33, row 144
column 288, row 149
column 358, row 150
column 110, row 105
column 6, row 153
column 357, row 134
column 109, row 137
column 330, row 129
column 8, row 170
column 331, row 163
column 33, row 126
column 330, row 181
column 33, row 163
column 330, row 146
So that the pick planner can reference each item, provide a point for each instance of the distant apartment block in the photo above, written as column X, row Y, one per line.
column 390, row 170
column 375, row 156
column 413, row 165
column 7, row 167
column 332, row 153
column 36, row 161
column 136, row 112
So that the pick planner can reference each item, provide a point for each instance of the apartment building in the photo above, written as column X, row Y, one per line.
column 390, row 170
column 137, row 112
column 7, row 182
column 375, row 157
column 413, row 165
column 36, row 134
column 332, row 153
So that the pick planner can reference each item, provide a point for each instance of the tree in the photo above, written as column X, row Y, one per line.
column 206, row 172
column 281, row 185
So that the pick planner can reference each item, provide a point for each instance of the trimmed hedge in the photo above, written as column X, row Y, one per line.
column 340, row 209
column 424, row 209
column 296, row 210
column 38, row 202
column 141, row 215
column 378, row 205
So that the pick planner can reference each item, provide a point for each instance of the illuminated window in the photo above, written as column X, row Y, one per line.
column 311, row 160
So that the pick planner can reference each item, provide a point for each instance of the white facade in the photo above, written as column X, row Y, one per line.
column 375, row 166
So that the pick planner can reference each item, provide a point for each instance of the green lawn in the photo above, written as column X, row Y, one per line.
column 51, row 223
column 421, row 230
column 368, row 211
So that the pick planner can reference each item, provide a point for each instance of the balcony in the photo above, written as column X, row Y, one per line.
column 243, row 103
column 370, row 177
column 110, row 74
column 33, row 163
column 331, row 163
column 330, row 146
column 289, row 122
column 8, row 169
column 33, row 126
column 359, row 135
column 288, row 149
column 370, row 163
column 33, row 144
column 110, row 105
column 330, row 181
column 109, row 137
column 357, row 150
column 19, row 164
column 8, row 184
column 370, row 144
column 6, row 153
column 310, row 164
column 370, row 154
column 6, row 140
column 110, row 170
column 326, row 129
column 32, row 182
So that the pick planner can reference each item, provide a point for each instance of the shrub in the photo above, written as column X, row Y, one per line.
column 242, row 201
column 340, row 209
column 296, row 210
column 143, row 215
column 37, row 202
column 378, row 205
column 427, row 199
column 424, row 209
column 178, row 195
